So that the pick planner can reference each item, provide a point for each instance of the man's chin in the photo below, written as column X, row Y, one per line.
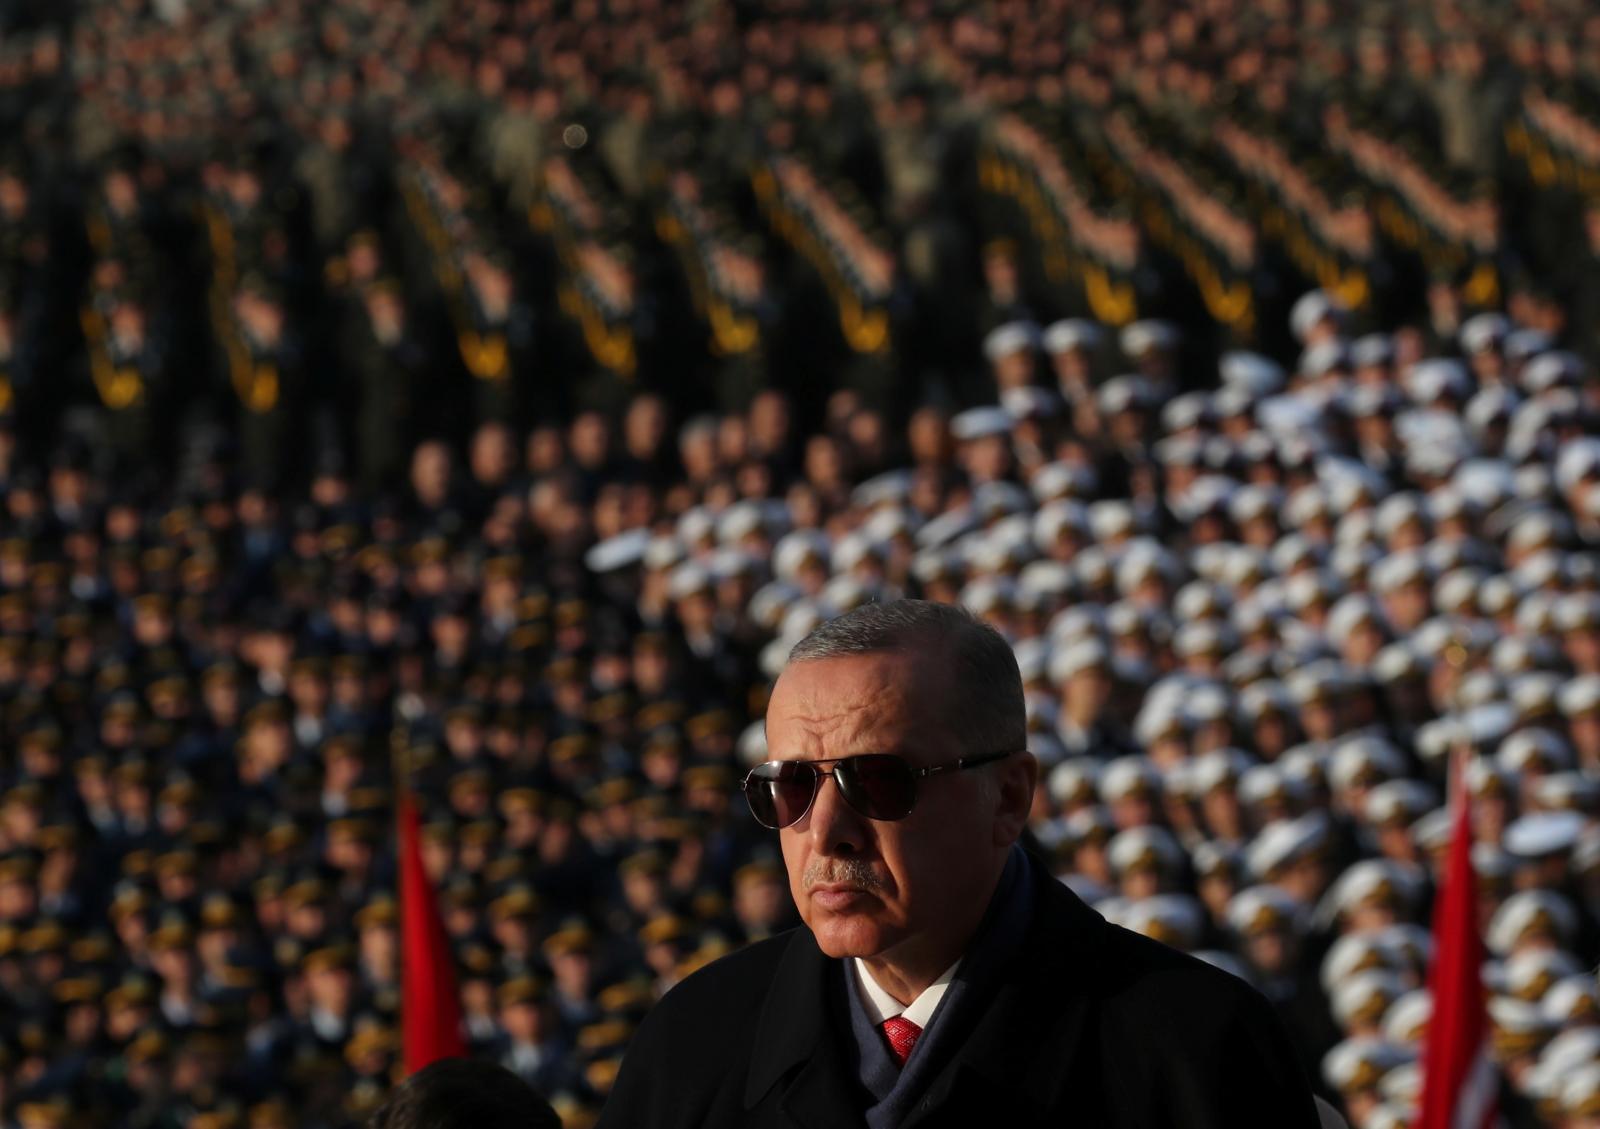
column 847, row 934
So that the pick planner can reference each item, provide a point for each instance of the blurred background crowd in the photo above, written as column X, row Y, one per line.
column 492, row 391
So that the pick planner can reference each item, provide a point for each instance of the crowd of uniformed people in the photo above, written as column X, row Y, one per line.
column 490, row 393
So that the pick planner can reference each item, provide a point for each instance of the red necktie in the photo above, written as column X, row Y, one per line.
column 902, row 1035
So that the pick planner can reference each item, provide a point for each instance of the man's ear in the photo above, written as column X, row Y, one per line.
column 1017, row 776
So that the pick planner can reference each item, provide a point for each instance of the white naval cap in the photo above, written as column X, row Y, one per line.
column 622, row 550
column 981, row 423
column 1146, row 335
column 1530, row 913
column 1543, row 833
column 1072, row 333
column 1361, row 1063
column 1257, row 375
column 1309, row 309
column 1011, row 337
column 1483, row 331
column 1406, row 1021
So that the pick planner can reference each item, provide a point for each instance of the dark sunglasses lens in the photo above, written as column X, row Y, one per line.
column 780, row 792
column 878, row 786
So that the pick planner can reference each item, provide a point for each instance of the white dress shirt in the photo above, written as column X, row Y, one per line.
column 881, row 1005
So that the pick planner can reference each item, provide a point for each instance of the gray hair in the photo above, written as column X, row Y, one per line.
column 986, row 711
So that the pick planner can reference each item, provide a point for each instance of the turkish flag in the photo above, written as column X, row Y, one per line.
column 430, row 1008
column 1460, row 1084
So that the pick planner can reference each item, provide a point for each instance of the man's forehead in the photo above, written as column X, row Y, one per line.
column 849, row 679
column 845, row 699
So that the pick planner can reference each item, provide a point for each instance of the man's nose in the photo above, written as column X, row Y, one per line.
column 834, row 826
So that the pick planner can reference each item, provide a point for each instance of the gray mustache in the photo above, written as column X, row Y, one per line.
column 840, row 872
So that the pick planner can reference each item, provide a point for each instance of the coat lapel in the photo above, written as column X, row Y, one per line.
column 1026, row 1050
column 796, row 1048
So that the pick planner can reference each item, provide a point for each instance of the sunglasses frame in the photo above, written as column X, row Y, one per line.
column 751, row 781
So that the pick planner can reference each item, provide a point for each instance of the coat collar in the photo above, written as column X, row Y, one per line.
column 1056, row 964
column 797, row 1029
column 1034, row 1021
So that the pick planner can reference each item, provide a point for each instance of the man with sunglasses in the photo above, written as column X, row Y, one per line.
column 943, row 977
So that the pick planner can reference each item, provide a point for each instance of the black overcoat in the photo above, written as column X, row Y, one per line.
column 1091, row 1026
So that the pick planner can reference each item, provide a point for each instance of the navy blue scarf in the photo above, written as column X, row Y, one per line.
column 894, row 1090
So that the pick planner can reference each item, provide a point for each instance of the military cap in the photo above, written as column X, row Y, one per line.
column 571, row 936
column 716, row 777
column 1543, row 834
column 138, row 862
column 1565, row 791
column 1364, row 761
column 1531, row 973
column 1285, row 841
column 664, row 929
column 1072, row 334
column 1147, row 335
column 133, row 991
column 1128, row 776
column 1312, row 308
column 1360, row 1064
column 148, row 1046
column 1579, row 1091
column 1398, row 802
column 218, row 911
column 89, row 949
column 272, row 711
column 173, row 933
column 282, row 836
column 658, row 715
column 626, row 998
column 519, row 902
column 1090, row 825
column 52, row 1113
column 1483, row 332
column 429, row 549
column 469, row 779
column 616, row 790
column 1371, row 350
column 273, row 1113
column 1406, row 1021
column 328, row 958
column 1145, row 848
column 1365, row 997
column 222, row 671
column 82, row 989
column 18, row 867
column 1575, row 999
column 352, row 827
column 381, row 912
column 180, row 861
column 1373, row 882
column 1260, row 909
column 128, row 899
column 572, row 747
column 1173, row 919
column 601, row 1038
column 1012, row 337
column 520, row 990
column 1518, row 1027
column 1539, row 914
column 305, row 891
column 368, row 1039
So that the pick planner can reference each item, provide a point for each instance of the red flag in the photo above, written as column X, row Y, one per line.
column 430, row 1009
column 1459, row 1081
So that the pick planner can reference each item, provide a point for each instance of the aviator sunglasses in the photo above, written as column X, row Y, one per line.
column 879, row 786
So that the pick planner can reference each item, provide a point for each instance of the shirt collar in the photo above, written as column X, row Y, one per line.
column 880, row 1005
